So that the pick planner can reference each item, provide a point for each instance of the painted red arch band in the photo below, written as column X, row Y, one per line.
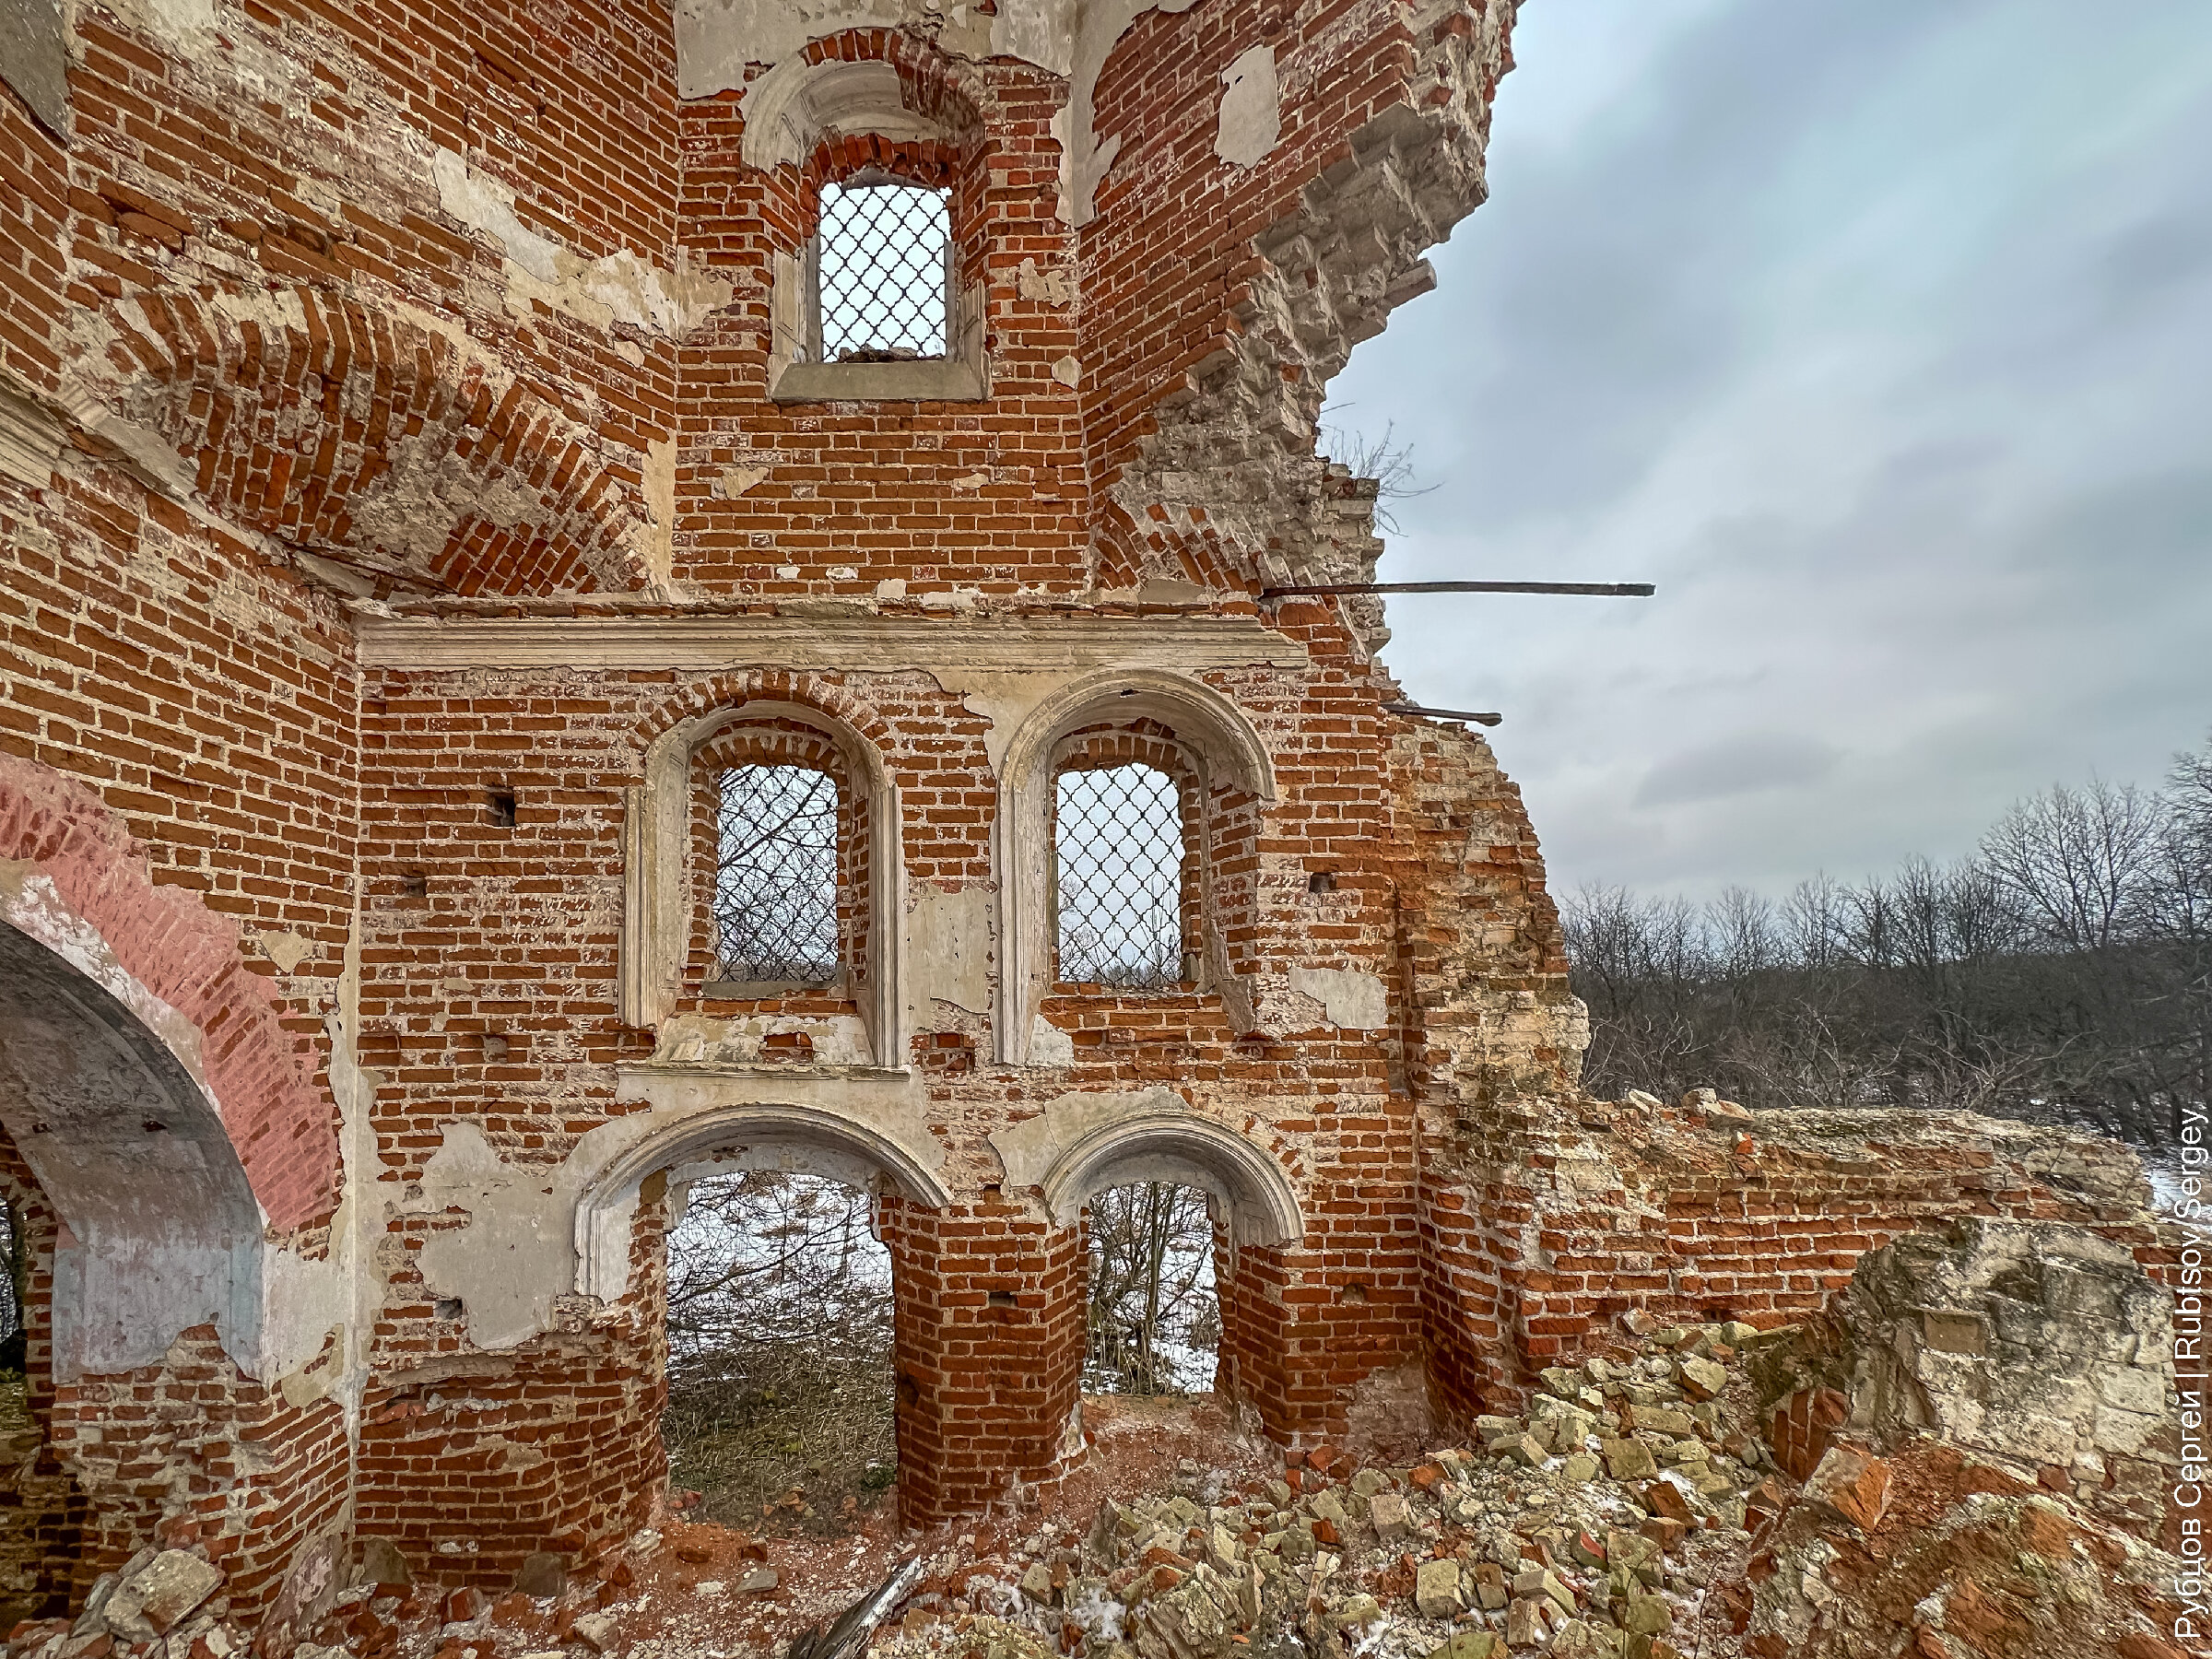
column 283, row 1124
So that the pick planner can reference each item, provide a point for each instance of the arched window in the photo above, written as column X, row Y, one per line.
column 761, row 864
column 777, row 856
column 1127, row 841
column 883, row 271
column 1121, row 885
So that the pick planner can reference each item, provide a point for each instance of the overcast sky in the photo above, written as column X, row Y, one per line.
column 1879, row 336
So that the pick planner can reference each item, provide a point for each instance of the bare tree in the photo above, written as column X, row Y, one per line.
column 1384, row 460
column 2064, row 972
column 779, row 1330
column 2079, row 860
column 1155, row 1322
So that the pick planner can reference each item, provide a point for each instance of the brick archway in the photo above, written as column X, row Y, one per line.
column 73, row 881
column 395, row 443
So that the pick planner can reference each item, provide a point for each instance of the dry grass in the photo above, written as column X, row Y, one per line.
column 780, row 1383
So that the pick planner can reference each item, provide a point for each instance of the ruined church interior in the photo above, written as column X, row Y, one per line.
column 599, row 597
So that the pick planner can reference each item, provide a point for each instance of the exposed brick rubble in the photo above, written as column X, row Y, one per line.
column 1641, row 1508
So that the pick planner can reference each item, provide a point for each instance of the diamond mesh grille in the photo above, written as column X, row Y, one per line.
column 775, row 880
column 1117, row 837
column 883, row 271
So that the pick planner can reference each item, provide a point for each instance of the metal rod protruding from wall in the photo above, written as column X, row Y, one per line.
column 1407, row 708
column 1604, row 590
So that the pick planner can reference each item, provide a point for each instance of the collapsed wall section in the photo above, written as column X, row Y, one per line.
column 1628, row 1209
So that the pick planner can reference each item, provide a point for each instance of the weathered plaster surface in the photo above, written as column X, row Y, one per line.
column 795, row 105
column 716, row 40
column 1252, row 113
column 701, row 1040
column 949, row 951
column 522, row 1235
column 34, row 59
column 1049, row 1045
column 1083, row 1143
column 615, row 288
column 1353, row 1001
column 978, row 653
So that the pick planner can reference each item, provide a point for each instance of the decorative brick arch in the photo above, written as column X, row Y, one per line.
column 656, row 822
column 348, row 429
column 87, row 875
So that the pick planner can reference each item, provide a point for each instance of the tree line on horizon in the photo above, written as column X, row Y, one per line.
column 2061, row 972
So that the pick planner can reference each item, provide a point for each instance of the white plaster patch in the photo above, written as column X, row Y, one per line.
column 287, row 950
column 1049, row 1045
column 411, row 511
column 949, row 951
column 700, row 1040
column 188, row 25
column 1351, row 1000
column 733, row 481
column 1251, row 117
column 1067, row 372
column 1049, row 287
column 974, row 480
column 511, row 1257
column 658, row 486
column 528, row 1235
column 615, row 288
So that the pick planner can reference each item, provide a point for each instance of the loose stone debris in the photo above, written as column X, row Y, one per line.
column 1634, row 1510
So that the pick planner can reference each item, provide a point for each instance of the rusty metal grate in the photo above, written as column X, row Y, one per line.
column 775, row 879
column 1117, row 837
column 882, row 271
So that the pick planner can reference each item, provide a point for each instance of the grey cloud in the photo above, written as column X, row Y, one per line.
column 1737, row 765
column 1880, row 336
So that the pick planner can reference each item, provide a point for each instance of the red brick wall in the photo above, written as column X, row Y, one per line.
column 261, row 276
column 471, row 1463
column 33, row 208
column 1693, row 1219
column 987, row 1342
column 219, row 749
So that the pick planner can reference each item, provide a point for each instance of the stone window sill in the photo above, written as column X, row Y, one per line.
column 920, row 380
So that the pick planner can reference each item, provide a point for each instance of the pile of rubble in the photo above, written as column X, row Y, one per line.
column 164, row 1604
column 1643, row 1507
column 1594, row 1526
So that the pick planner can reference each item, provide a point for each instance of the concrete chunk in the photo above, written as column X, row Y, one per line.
column 1436, row 1589
column 163, row 1590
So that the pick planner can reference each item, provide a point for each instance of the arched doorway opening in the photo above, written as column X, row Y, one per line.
column 128, row 1221
column 1153, row 1315
column 772, row 1219
column 782, row 1394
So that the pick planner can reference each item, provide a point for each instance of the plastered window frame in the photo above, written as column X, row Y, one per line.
column 1225, row 759
column 660, row 887
column 797, row 374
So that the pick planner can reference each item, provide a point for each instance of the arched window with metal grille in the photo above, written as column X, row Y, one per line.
column 1118, row 892
column 776, row 877
column 884, row 273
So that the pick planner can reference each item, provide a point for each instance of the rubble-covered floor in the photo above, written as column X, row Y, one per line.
column 1633, row 1514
